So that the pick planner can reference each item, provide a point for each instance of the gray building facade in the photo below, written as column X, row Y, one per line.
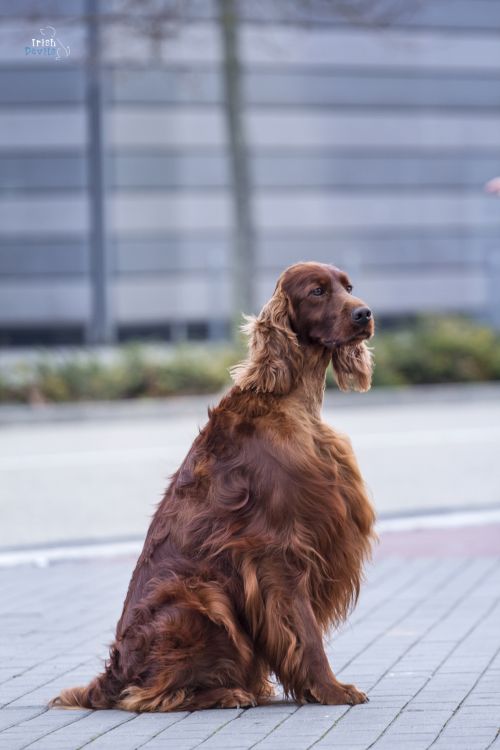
column 369, row 147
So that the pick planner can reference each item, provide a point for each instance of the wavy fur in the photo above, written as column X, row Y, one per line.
column 275, row 357
column 353, row 367
column 257, row 547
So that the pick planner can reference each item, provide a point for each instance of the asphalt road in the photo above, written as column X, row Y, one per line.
column 89, row 480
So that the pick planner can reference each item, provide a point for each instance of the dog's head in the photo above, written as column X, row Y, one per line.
column 324, row 311
column 312, row 305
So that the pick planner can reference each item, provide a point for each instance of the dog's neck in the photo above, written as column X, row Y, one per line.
column 284, row 367
column 310, row 387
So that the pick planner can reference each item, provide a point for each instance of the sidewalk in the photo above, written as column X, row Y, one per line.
column 424, row 642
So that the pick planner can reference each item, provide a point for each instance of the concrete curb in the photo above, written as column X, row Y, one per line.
column 48, row 554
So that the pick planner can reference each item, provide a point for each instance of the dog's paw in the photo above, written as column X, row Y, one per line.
column 237, row 699
column 355, row 696
column 336, row 695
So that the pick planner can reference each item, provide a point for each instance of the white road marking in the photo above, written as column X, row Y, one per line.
column 451, row 520
column 83, row 458
column 460, row 436
column 41, row 557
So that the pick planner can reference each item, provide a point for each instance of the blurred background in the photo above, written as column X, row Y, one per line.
column 162, row 161
column 355, row 132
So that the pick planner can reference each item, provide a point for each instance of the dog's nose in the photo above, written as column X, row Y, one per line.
column 361, row 315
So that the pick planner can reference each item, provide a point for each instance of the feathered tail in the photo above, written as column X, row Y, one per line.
column 94, row 695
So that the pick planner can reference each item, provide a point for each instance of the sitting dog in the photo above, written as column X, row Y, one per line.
column 258, row 544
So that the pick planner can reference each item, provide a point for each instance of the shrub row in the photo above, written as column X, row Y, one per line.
column 432, row 350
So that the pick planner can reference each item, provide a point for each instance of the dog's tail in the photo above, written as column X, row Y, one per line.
column 94, row 695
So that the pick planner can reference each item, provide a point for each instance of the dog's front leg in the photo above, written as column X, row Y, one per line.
column 294, row 646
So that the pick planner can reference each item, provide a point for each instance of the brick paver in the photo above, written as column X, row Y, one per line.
column 424, row 642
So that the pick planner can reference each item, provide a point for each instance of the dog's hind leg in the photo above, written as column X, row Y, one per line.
column 187, row 651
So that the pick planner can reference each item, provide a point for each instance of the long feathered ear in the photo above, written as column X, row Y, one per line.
column 274, row 355
column 353, row 367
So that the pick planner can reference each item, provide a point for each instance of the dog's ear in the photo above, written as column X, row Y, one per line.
column 274, row 355
column 353, row 367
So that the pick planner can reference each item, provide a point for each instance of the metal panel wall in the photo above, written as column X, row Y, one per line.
column 369, row 148
column 44, row 222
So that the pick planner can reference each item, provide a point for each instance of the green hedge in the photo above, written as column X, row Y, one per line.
column 437, row 350
column 133, row 372
column 432, row 350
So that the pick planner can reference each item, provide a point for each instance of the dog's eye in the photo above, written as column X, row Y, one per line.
column 318, row 291
column 349, row 288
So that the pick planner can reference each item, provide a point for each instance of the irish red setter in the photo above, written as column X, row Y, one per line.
column 258, row 544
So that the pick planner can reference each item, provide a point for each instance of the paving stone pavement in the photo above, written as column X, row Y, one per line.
column 424, row 642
